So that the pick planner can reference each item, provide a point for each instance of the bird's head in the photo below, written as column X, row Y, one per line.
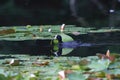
column 59, row 38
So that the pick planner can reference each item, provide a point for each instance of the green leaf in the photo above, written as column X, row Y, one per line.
column 99, row 65
column 2, row 77
column 18, row 77
column 113, row 71
column 66, row 51
column 76, row 76
column 66, row 38
column 115, row 65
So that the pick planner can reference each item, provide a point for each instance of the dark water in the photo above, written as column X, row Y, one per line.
column 89, row 49
column 93, row 43
column 75, row 48
column 93, row 50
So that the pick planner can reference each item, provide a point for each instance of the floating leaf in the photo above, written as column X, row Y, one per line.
column 7, row 31
column 84, row 62
column 40, row 63
column 99, row 65
column 76, row 67
column 76, row 76
column 96, row 78
column 113, row 71
column 66, row 38
column 100, row 74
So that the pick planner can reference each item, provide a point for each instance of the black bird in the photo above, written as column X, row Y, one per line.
column 70, row 44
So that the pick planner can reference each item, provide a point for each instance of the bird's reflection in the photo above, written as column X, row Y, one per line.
column 65, row 48
column 38, row 47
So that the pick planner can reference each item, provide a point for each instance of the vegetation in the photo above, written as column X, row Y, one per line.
column 26, row 67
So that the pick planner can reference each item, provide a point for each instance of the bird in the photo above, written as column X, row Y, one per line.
column 61, row 44
column 70, row 43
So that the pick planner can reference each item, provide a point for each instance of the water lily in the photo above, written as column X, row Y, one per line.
column 62, row 27
column 109, row 56
column 14, row 62
column 62, row 74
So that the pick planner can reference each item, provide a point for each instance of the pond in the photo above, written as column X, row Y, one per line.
column 36, row 40
column 74, row 48
column 28, row 53
column 85, row 51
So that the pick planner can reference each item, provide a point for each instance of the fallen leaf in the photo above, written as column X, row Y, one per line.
column 110, row 76
column 94, row 79
column 40, row 63
column 7, row 31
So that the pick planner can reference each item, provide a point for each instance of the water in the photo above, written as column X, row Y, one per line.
column 90, row 49
column 74, row 48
